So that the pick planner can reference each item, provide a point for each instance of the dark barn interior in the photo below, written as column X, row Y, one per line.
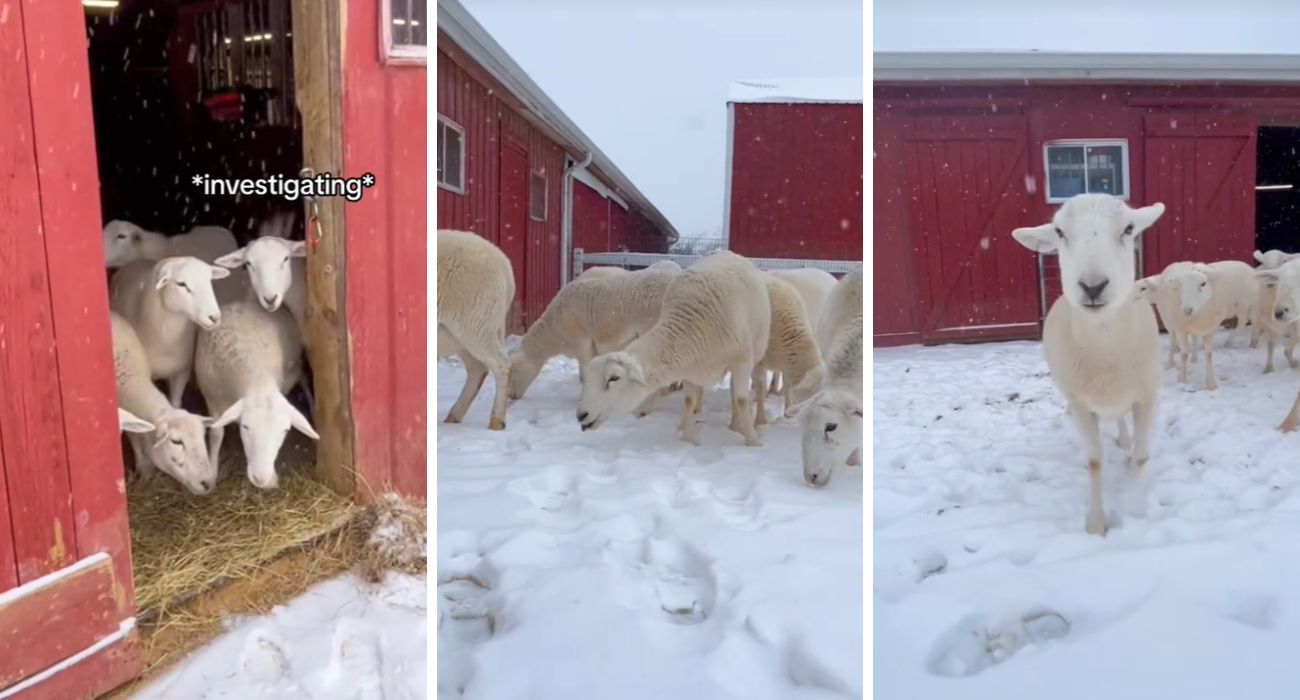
column 1277, row 193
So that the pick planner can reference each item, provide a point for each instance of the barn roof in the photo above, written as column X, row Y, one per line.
column 797, row 90
column 959, row 65
column 470, row 36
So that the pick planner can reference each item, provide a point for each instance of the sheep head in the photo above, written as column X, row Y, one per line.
column 1147, row 289
column 1287, row 280
column 179, row 450
column 1194, row 287
column 1273, row 259
column 186, row 287
column 614, row 384
column 122, row 242
column 832, row 430
column 267, row 260
column 523, row 372
column 264, row 421
column 1094, row 235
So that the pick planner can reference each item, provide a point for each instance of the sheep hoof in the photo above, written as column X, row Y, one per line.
column 1095, row 524
column 1289, row 425
column 1268, row 369
column 753, row 442
column 451, row 419
column 496, row 424
column 1139, row 463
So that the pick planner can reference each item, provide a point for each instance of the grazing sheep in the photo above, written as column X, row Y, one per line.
column 165, row 301
column 176, row 446
column 791, row 350
column 831, row 424
column 1100, row 341
column 125, row 242
column 1208, row 295
column 476, row 286
column 813, row 285
column 589, row 317
column 128, row 422
column 1286, row 310
column 715, row 319
column 243, row 367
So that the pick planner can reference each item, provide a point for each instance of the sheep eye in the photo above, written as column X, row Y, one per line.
column 176, row 442
column 1128, row 231
column 284, row 262
column 611, row 380
column 184, row 286
column 121, row 236
column 830, row 427
column 1059, row 232
column 248, row 265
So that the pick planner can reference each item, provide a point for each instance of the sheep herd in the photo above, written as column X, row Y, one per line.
column 197, row 305
column 1101, row 339
column 641, row 335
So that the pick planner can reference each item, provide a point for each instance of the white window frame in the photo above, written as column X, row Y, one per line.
column 398, row 54
column 460, row 130
column 1084, row 143
column 546, row 186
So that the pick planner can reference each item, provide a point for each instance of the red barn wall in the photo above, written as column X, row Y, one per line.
column 591, row 219
column 1190, row 146
column 796, row 181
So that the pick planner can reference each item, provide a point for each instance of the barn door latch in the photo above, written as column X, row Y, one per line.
column 313, row 232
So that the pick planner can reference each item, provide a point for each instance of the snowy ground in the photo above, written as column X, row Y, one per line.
column 578, row 545
column 342, row 640
column 986, row 585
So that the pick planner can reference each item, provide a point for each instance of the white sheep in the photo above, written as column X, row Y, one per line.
column 1286, row 310
column 167, row 302
column 813, row 285
column 791, row 350
column 831, row 423
column 1100, row 340
column 1272, row 329
column 126, row 242
column 589, row 317
column 476, row 286
column 665, row 265
column 277, row 272
column 1207, row 296
column 243, row 367
column 1148, row 289
column 1273, row 259
column 714, row 320
column 600, row 272
column 128, row 422
column 176, row 446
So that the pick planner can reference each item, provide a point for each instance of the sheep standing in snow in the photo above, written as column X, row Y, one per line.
column 1207, row 296
column 1270, row 260
column 1270, row 328
column 1100, row 340
column 813, row 285
column 1286, row 310
column 167, row 302
column 125, row 242
column 791, row 350
column 715, row 319
column 476, row 286
column 176, row 446
column 831, row 423
column 243, row 367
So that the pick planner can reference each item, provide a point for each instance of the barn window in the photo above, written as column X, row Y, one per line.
column 1075, row 167
column 451, row 156
column 404, row 31
column 537, row 196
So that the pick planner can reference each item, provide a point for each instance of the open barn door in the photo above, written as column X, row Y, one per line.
column 67, row 611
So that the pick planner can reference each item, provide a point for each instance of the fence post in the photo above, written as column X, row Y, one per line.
column 577, row 264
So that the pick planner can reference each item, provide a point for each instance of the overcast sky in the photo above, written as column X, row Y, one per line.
column 647, row 79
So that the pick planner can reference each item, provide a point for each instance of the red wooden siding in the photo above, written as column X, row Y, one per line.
column 796, row 181
column 384, row 132
column 591, row 219
column 893, row 265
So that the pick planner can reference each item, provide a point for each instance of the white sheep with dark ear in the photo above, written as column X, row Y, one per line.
column 1100, row 340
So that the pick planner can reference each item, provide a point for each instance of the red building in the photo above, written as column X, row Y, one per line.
column 517, row 171
column 970, row 145
column 794, row 169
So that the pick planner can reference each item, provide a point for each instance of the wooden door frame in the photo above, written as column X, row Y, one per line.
column 510, row 142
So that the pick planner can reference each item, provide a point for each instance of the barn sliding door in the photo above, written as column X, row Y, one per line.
column 513, row 236
column 966, row 181
column 1202, row 167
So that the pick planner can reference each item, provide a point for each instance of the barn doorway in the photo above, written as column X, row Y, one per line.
column 212, row 87
column 1277, row 189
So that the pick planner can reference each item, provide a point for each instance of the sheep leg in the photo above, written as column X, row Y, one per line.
column 1209, row 364
column 1173, row 346
column 215, row 437
column 1290, row 348
column 1143, row 412
column 144, row 468
column 1124, row 442
column 475, row 373
column 1292, row 420
column 1268, row 366
column 775, row 387
column 787, row 396
column 1090, row 429
column 487, row 354
column 760, row 396
column 176, row 387
column 740, row 404
column 649, row 404
column 694, row 395
column 1185, row 351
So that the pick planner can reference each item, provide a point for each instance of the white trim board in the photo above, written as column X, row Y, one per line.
column 594, row 183
column 1080, row 66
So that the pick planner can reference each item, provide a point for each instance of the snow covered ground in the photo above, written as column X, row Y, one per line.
column 623, row 563
column 986, row 585
column 342, row 640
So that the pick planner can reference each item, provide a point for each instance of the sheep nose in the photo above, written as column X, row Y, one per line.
column 205, row 485
column 582, row 417
column 1279, row 314
column 1093, row 291
column 214, row 319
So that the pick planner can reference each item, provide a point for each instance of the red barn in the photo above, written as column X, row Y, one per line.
column 517, row 171
column 794, row 169
column 970, row 145
column 109, row 109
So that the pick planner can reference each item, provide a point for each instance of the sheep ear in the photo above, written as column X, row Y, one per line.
column 231, row 415
column 132, row 423
column 1268, row 277
column 1040, row 239
column 1147, row 216
column 218, row 272
column 1259, row 257
column 810, row 385
column 299, row 421
column 164, row 276
column 297, row 249
column 233, row 260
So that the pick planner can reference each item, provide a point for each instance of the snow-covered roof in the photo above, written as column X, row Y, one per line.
column 792, row 90
column 1084, row 66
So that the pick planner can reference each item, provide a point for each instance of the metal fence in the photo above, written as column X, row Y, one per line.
column 583, row 260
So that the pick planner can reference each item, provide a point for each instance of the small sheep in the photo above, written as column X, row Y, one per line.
column 1207, row 296
column 1286, row 310
column 715, row 319
column 1100, row 340
column 165, row 301
column 1272, row 329
column 125, row 242
column 176, row 447
column 1273, row 259
column 813, row 285
column 243, row 367
column 128, row 422
column 589, row 317
column 1148, row 289
column 791, row 350
column 476, row 286
column 831, row 423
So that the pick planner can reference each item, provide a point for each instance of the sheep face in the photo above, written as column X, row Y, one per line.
column 1094, row 236
column 186, row 287
column 122, row 241
column 613, row 385
column 1147, row 289
column 1287, row 280
column 264, row 421
column 1194, row 288
column 178, row 449
column 523, row 372
column 1273, row 259
column 832, row 431
column 131, row 423
column 268, row 262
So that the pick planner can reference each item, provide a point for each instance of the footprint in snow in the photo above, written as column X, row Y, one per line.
column 737, row 504
column 356, row 664
column 683, row 587
column 554, row 490
column 974, row 645
column 467, row 607
column 262, row 660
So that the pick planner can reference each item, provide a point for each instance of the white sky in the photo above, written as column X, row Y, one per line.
column 647, row 79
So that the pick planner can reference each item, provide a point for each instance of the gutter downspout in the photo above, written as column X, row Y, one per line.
column 566, row 219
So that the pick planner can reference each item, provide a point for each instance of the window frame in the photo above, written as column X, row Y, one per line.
column 1084, row 144
column 546, row 186
column 399, row 54
column 444, row 122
